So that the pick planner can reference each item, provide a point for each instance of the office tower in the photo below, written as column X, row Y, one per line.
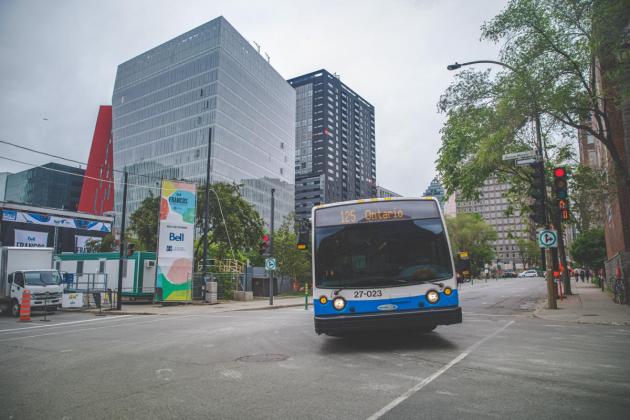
column 205, row 95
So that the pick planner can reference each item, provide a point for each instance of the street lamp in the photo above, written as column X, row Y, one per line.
column 536, row 113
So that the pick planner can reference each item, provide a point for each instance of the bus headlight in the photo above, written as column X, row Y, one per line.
column 323, row 300
column 433, row 296
column 339, row 303
column 448, row 291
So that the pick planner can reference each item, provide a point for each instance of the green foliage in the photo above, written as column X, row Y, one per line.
column 469, row 232
column 242, row 222
column 529, row 252
column 589, row 190
column 589, row 249
column 143, row 224
column 292, row 262
column 106, row 244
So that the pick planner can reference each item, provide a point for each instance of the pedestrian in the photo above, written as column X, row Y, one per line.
column 576, row 273
column 582, row 274
column 588, row 275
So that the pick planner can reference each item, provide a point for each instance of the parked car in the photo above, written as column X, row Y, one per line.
column 508, row 272
column 528, row 273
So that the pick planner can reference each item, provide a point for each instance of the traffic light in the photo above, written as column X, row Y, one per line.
column 131, row 248
column 560, row 188
column 264, row 245
column 560, row 183
column 303, row 236
column 537, row 193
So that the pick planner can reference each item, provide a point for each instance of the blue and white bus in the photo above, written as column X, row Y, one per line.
column 382, row 264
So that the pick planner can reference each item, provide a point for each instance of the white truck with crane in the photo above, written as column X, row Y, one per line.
column 28, row 269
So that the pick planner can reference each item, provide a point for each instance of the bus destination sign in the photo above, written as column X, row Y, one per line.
column 379, row 211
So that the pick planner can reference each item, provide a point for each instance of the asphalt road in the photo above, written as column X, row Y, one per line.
column 500, row 363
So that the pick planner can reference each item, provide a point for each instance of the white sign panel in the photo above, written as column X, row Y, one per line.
column 176, row 240
column 519, row 155
column 30, row 239
column 80, row 243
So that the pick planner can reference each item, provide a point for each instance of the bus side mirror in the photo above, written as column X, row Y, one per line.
column 303, row 236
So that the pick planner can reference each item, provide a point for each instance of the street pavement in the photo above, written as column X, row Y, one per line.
column 502, row 362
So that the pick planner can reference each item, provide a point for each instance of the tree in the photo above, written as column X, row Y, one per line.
column 589, row 249
column 234, row 224
column 590, row 189
column 292, row 262
column 529, row 252
column 469, row 232
column 143, row 224
column 106, row 244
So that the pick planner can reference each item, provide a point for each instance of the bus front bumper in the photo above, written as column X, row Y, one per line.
column 387, row 321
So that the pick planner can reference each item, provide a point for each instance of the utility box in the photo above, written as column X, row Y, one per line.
column 211, row 292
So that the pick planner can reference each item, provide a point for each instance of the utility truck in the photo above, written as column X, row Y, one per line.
column 28, row 269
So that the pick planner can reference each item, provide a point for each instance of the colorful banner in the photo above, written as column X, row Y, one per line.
column 47, row 220
column 80, row 242
column 178, row 204
column 29, row 239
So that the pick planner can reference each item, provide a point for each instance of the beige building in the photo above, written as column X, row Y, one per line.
column 492, row 206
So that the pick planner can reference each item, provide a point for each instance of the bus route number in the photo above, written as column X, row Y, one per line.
column 348, row 216
column 368, row 293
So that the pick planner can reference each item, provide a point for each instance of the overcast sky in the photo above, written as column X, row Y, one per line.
column 59, row 62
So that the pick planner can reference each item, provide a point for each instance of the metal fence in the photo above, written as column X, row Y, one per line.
column 227, row 283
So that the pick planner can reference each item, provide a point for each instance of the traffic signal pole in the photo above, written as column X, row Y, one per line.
column 273, row 192
column 121, row 258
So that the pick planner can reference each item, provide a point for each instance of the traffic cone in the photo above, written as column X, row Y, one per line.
column 25, row 307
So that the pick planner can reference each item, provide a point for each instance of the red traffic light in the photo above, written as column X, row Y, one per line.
column 559, row 172
column 265, row 238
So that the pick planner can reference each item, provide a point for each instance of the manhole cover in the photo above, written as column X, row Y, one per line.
column 270, row 357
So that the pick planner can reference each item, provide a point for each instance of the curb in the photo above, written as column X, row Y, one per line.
column 112, row 312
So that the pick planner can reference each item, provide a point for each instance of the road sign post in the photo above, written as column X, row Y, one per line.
column 547, row 238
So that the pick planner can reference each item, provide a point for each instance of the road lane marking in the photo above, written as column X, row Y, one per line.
column 61, row 324
column 98, row 328
column 436, row 375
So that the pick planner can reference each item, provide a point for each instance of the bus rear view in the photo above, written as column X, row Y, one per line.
column 382, row 264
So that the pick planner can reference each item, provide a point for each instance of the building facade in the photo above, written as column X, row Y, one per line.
column 385, row 193
column 52, row 185
column 436, row 190
column 97, row 194
column 492, row 206
column 335, row 150
column 206, row 95
column 3, row 184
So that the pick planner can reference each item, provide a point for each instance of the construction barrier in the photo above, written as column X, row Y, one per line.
column 25, row 307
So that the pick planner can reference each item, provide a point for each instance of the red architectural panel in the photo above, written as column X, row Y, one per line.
column 97, row 195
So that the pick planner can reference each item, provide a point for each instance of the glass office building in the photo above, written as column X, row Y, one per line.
column 51, row 185
column 207, row 90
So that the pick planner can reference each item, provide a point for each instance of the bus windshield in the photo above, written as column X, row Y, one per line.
column 382, row 254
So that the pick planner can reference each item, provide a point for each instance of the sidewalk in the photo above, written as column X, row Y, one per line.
column 588, row 305
column 201, row 309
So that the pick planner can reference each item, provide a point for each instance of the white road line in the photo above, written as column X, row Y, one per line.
column 435, row 375
column 61, row 324
column 153, row 319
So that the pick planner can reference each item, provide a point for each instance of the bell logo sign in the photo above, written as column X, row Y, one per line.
column 176, row 238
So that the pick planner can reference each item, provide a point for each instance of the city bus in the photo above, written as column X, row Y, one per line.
column 382, row 265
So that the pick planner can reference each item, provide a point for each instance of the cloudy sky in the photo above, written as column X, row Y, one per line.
column 59, row 62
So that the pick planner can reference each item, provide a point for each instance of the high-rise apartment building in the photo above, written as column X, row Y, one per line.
column 492, row 206
column 97, row 195
column 335, row 156
column 207, row 90
column 51, row 185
